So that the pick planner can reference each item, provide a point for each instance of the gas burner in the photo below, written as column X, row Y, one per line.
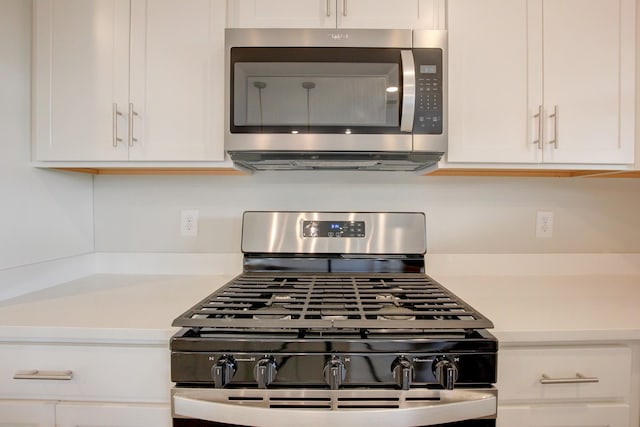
column 271, row 313
column 279, row 299
column 396, row 313
column 334, row 317
column 387, row 298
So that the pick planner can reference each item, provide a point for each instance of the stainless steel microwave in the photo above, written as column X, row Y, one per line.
column 335, row 99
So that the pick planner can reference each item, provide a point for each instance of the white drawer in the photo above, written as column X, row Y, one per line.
column 606, row 372
column 98, row 373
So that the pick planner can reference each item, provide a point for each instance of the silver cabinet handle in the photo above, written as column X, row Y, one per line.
column 408, row 90
column 132, row 113
column 539, row 116
column 116, row 114
column 35, row 374
column 344, row 7
column 554, row 141
column 328, row 7
column 579, row 378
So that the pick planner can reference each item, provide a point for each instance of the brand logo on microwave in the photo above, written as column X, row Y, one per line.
column 339, row 36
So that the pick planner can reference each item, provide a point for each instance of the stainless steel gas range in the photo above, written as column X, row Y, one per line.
column 333, row 322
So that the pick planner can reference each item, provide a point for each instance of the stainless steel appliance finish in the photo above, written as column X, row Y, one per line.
column 292, row 408
column 353, row 337
column 327, row 99
column 292, row 232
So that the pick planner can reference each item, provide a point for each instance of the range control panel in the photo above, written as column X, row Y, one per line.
column 333, row 229
column 429, row 87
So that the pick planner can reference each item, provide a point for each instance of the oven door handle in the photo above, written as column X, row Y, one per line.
column 454, row 406
column 408, row 91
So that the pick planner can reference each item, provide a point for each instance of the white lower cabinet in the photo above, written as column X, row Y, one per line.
column 20, row 413
column 69, row 414
column 576, row 415
column 23, row 413
column 88, row 385
column 565, row 386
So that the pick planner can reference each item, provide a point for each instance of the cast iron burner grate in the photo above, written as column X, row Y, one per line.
column 333, row 300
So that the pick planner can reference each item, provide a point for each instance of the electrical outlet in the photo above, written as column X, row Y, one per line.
column 544, row 224
column 189, row 223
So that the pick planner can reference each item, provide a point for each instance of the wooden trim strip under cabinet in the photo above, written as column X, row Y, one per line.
column 155, row 171
column 541, row 173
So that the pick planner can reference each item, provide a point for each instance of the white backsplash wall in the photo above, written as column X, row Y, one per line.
column 464, row 214
column 45, row 215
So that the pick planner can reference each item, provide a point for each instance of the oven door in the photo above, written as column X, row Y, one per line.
column 354, row 408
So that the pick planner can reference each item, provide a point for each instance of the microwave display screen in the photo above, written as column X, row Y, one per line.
column 428, row 69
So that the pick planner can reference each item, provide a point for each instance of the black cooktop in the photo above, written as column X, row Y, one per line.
column 303, row 301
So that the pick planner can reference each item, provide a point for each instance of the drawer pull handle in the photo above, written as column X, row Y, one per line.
column 35, row 374
column 579, row 378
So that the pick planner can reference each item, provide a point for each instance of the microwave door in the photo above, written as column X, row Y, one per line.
column 408, row 91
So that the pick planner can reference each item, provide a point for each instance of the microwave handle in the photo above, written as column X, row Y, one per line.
column 408, row 91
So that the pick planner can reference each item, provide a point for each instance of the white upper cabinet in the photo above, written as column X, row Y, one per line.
column 548, row 81
column 281, row 13
column 120, row 80
column 81, row 68
column 589, row 62
column 177, row 80
column 429, row 14
column 489, row 84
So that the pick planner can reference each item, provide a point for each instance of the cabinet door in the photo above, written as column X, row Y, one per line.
column 81, row 66
column 281, row 14
column 577, row 415
column 425, row 14
column 16, row 413
column 113, row 415
column 589, row 80
column 177, row 80
column 493, row 97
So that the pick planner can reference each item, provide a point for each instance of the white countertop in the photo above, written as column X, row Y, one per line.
column 105, row 308
column 554, row 308
column 139, row 309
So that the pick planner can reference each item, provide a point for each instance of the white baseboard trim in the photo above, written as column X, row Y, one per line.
column 168, row 263
column 29, row 278
column 532, row 264
column 21, row 280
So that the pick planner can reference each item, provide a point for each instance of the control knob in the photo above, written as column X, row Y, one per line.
column 265, row 371
column 334, row 372
column 403, row 372
column 446, row 372
column 223, row 371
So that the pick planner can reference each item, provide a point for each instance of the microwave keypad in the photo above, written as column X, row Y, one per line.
column 429, row 108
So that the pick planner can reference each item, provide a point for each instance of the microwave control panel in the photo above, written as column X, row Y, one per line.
column 429, row 91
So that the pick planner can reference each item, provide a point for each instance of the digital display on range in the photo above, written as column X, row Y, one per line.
column 333, row 229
